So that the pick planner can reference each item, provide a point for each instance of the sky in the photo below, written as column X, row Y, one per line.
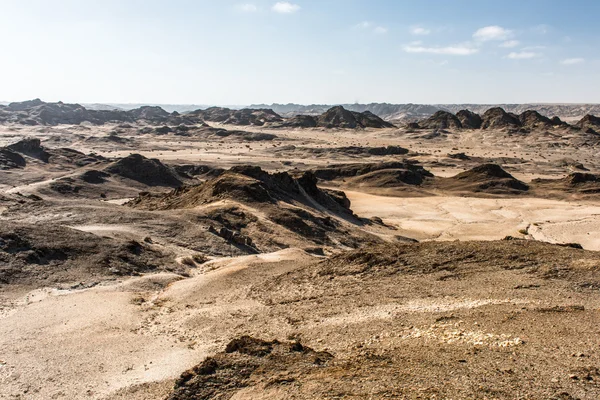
column 302, row 51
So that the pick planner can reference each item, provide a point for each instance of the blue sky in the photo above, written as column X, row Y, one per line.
column 302, row 51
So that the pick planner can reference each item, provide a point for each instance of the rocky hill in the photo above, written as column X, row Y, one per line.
column 441, row 120
column 37, row 112
column 151, row 172
column 413, row 112
column 498, row 118
column 337, row 117
column 247, row 206
column 245, row 116
column 469, row 119
column 589, row 123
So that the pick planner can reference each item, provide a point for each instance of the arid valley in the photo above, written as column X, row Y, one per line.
column 244, row 254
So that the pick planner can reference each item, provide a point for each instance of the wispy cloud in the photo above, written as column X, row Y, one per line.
column 541, row 29
column 523, row 55
column 573, row 61
column 493, row 32
column 419, row 31
column 284, row 7
column 530, row 48
column 456, row 50
column 510, row 44
column 247, row 8
column 367, row 25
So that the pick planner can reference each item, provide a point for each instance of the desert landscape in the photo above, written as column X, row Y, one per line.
column 245, row 254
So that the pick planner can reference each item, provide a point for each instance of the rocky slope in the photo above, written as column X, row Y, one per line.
column 248, row 204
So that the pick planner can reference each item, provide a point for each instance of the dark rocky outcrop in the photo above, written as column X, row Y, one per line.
column 469, row 119
column 485, row 178
column 497, row 118
column 9, row 159
column 38, row 255
column 37, row 112
column 589, row 124
column 245, row 363
column 339, row 117
column 151, row 172
column 245, row 116
column 367, row 119
column 441, row 120
column 581, row 183
column 251, row 185
column 531, row 119
column 31, row 147
column 299, row 121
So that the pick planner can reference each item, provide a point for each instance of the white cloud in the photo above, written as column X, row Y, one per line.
column 457, row 50
column 249, row 8
column 364, row 25
column 284, row 7
column 573, row 61
column 510, row 44
column 380, row 30
column 493, row 32
column 417, row 30
column 523, row 55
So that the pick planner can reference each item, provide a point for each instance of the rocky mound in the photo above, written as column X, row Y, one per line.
column 213, row 114
column 589, row 123
column 24, row 105
column 486, row 178
column 497, row 118
column 367, row 119
column 9, row 159
column 404, row 171
column 30, row 147
column 339, row 117
column 197, row 171
column 298, row 121
column 11, row 156
column 578, row 182
column 151, row 172
column 46, row 255
column 533, row 120
column 256, row 211
column 37, row 112
column 152, row 113
column 250, row 185
column 430, row 257
column 469, row 119
column 234, row 134
column 245, row 116
column 441, row 120
column 331, row 152
column 248, row 364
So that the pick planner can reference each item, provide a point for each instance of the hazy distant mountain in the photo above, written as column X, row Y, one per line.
column 180, row 108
